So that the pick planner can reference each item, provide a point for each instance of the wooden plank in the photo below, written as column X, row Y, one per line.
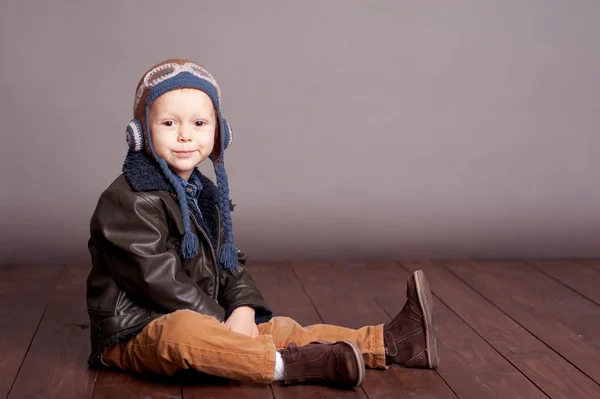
column 593, row 263
column 550, row 372
column 55, row 366
column 204, row 386
column 284, row 293
column 24, row 293
column 124, row 385
column 341, row 297
column 576, row 275
column 556, row 315
column 469, row 365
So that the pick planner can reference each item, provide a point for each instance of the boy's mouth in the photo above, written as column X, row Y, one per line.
column 184, row 154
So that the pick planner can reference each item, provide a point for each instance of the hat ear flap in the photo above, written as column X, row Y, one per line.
column 135, row 136
column 226, row 134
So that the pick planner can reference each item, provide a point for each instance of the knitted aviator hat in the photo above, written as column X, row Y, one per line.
column 170, row 75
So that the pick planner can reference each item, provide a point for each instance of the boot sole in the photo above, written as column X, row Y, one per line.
column 361, row 363
column 426, row 302
column 359, row 359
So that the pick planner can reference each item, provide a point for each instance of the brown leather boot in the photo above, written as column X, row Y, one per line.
column 411, row 337
column 339, row 364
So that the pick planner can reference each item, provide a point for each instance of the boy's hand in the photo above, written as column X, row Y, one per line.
column 241, row 321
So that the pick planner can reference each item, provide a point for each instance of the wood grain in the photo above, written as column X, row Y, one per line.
column 24, row 294
column 549, row 371
column 563, row 319
column 576, row 275
column 56, row 364
column 120, row 384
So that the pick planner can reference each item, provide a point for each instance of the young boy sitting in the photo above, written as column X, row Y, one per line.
column 168, row 289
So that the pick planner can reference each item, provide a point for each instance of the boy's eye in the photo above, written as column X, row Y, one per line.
column 200, row 123
column 168, row 123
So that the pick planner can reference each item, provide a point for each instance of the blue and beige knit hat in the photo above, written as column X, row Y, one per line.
column 170, row 75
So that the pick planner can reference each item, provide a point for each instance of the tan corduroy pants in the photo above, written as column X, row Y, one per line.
column 188, row 340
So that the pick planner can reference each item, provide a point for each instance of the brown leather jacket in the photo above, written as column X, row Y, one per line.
column 137, row 273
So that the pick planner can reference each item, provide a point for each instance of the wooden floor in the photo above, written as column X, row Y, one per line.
column 506, row 330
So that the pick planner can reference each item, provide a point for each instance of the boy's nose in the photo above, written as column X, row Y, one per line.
column 185, row 133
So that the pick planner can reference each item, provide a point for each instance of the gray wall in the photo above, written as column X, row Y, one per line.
column 363, row 129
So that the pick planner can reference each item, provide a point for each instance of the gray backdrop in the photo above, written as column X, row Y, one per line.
column 363, row 129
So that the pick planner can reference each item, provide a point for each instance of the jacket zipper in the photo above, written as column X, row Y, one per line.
column 212, row 252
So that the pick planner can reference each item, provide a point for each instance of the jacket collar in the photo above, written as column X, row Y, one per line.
column 143, row 174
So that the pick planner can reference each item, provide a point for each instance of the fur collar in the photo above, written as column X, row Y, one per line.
column 143, row 174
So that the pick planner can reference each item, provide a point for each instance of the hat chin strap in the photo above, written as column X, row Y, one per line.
column 228, row 252
column 228, row 255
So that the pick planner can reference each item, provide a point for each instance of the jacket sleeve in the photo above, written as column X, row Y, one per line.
column 131, row 234
column 239, row 289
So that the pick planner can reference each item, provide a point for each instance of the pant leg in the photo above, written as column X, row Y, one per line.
column 369, row 338
column 186, row 339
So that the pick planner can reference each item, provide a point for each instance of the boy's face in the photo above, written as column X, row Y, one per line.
column 182, row 125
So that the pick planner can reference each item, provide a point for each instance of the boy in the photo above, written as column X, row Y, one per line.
column 168, row 289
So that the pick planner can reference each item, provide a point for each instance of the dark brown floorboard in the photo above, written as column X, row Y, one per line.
column 549, row 371
column 563, row 319
column 576, row 275
column 506, row 329
column 287, row 298
column 469, row 365
column 342, row 298
column 122, row 385
column 212, row 388
column 593, row 263
column 24, row 293
column 55, row 366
